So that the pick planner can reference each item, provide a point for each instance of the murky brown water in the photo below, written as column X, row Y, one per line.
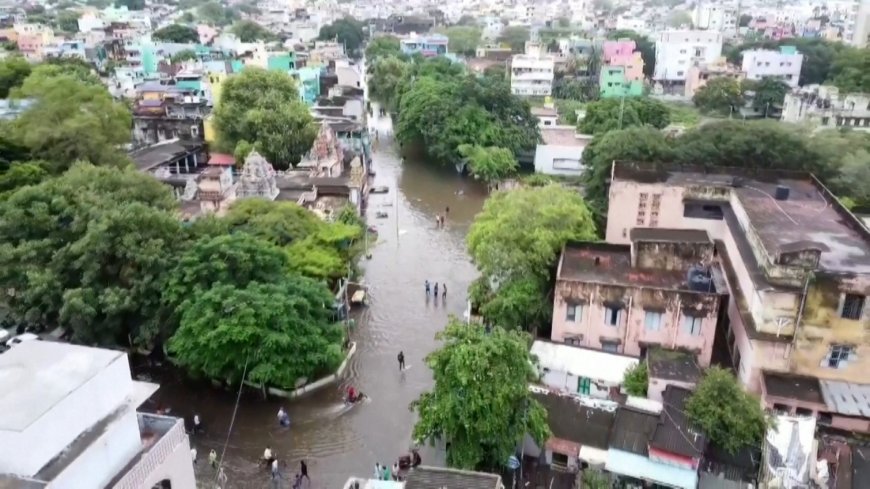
column 338, row 443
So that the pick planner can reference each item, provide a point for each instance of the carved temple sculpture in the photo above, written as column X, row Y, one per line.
column 257, row 178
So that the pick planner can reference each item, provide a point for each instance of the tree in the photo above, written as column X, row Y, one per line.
column 646, row 47
column 65, row 109
column 67, row 21
column 462, row 39
column 515, row 37
column 489, row 164
column 382, row 47
column 216, row 14
column 183, row 55
column 176, row 33
column 20, row 175
column 467, row 20
column 730, row 416
column 386, row 74
column 131, row 4
column 278, row 333
column 850, row 70
column 819, row 55
column 766, row 93
column 263, row 108
column 499, row 72
column 609, row 114
column 13, row 71
column 77, row 68
column 719, row 95
column 250, row 31
column 854, row 177
column 744, row 20
column 89, row 251
column 481, row 404
column 636, row 380
column 347, row 31
column 679, row 18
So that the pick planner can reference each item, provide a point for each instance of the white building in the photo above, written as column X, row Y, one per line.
column 581, row 371
column 677, row 51
column 69, row 420
column 824, row 107
column 561, row 152
column 532, row 73
column 783, row 64
column 714, row 17
column 861, row 25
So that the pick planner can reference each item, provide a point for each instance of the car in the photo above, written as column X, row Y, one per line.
column 21, row 339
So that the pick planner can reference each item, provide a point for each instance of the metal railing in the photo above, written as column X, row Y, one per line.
column 153, row 457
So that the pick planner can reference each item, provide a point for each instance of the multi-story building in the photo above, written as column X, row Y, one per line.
column 32, row 39
column 622, row 69
column 677, row 51
column 861, row 33
column 70, row 420
column 715, row 17
column 427, row 45
column 783, row 64
column 661, row 288
column 824, row 107
column 797, row 273
column 166, row 112
column 532, row 73
column 699, row 75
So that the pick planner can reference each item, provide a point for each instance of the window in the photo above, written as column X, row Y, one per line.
column 652, row 320
column 560, row 459
column 610, row 346
column 583, row 385
column 612, row 316
column 839, row 356
column 853, row 306
column 574, row 312
column 692, row 325
column 679, row 73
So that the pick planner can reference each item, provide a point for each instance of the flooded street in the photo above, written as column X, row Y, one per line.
column 335, row 442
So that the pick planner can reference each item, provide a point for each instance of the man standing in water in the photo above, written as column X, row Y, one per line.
column 436, row 290
column 427, row 288
column 303, row 467
column 401, row 360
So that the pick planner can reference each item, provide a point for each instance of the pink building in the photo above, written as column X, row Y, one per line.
column 660, row 290
column 623, row 53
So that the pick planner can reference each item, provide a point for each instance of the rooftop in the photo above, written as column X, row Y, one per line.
column 583, row 362
column 424, row 477
column 846, row 398
column 798, row 387
column 572, row 421
column 153, row 156
column 673, row 365
column 675, row 433
column 663, row 235
column 632, row 430
column 860, row 467
column 545, row 112
column 610, row 264
column 36, row 375
column 563, row 136
column 811, row 217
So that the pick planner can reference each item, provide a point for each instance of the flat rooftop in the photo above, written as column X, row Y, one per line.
column 562, row 136
column 673, row 365
column 664, row 235
column 36, row 375
column 810, row 218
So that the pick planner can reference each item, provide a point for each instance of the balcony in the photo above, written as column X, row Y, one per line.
column 161, row 436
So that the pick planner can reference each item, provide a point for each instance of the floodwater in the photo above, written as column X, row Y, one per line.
column 336, row 442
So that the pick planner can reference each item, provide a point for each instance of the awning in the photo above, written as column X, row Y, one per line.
column 592, row 455
column 640, row 467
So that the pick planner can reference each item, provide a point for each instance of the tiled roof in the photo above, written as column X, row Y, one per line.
column 569, row 420
column 632, row 430
column 675, row 433
column 437, row 478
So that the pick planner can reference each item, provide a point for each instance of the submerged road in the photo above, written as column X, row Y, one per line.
column 338, row 443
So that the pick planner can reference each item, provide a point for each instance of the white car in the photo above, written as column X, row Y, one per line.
column 21, row 339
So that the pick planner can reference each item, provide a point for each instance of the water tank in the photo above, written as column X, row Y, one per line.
column 699, row 279
column 782, row 192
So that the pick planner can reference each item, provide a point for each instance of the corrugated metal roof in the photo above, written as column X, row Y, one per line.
column 632, row 430
column 846, row 398
column 438, row 478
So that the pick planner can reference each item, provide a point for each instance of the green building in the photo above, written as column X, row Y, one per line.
column 613, row 83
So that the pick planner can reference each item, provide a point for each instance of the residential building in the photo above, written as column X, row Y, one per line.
column 614, row 82
column 715, row 17
column 783, row 64
column 796, row 265
column 660, row 289
column 699, row 75
column 670, row 368
column 624, row 53
column 424, row 477
column 532, row 73
column 857, row 31
column 581, row 371
column 547, row 116
column 826, row 108
column 70, row 420
column 561, row 151
column 677, row 51
column 308, row 80
column 428, row 45
column 33, row 39
column 167, row 112
column 325, row 51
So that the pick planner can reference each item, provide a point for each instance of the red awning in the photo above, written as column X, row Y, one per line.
column 222, row 159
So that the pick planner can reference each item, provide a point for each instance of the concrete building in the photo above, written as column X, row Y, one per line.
column 824, row 107
column 796, row 265
column 715, row 17
column 699, row 75
column 532, row 73
column 70, row 421
column 677, row 51
column 857, row 29
column 783, row 64
column 581, row 371
column 561, row 152
column 427, row 45
column 660, row 289
column 614, row 82
column 424, row 477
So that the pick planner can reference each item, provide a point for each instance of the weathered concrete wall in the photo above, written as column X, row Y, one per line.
column 670, row 256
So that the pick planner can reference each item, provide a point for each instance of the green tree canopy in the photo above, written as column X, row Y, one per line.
column 386, row 74
column 13, row 71
column 819, row 55
column 89, row 251
column 20, row 174
column 281, row 331
column 646, row 47
column 481, row 403
column 730, row 416
column 183, row 55
column 250, row 31
column 263, row 108
column 462, row 39
column 467, row 20
column 216, row 14
column 67, row 21
column 679, row 18
column 65, row 108
column 719, row 95
column 347, row 31
column 176, row 33
column 491, row 164
column 515, row 37
column 636, row 380
column 765, row 93
column 606, row 115
column 850, row 70
column 382, row 47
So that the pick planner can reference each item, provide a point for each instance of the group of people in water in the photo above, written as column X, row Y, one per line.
column 434, row 288
column 440, row 218
column 386, row 473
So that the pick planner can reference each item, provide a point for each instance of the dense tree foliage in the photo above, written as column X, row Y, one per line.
column 516, row 268
column 679, row 18
column 386, row 74
column 176, row 33
column 281, row 332
column 216, row 14
column 183, row 55
column 67, row 21
column 850, row 71
column 514, row 37
column 481, row 404
column 13, row 71
column 722, row 95
column 609, row 114
column 263, row 108
column 646, row 47
column 347, row 31
column 636, row 380
column 382, row 47
column 766, row 93
column 731, row 417
column 462, row 39
column 250, row 31
column 491, row 164
column 89, row 250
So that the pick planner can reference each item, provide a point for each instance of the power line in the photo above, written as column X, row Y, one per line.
column 232, row 422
